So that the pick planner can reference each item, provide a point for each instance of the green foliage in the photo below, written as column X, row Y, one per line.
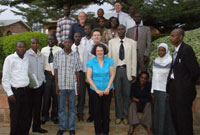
column 8, row 43
column 191, row 37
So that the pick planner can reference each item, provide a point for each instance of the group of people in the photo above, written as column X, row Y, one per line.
column 107, row 57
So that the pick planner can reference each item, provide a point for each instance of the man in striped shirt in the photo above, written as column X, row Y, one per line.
column 64, row 25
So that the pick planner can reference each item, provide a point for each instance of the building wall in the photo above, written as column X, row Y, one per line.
column 18, row 27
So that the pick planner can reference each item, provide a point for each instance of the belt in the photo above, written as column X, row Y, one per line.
column 49, row 72
column 122, row 66
column 22, row 88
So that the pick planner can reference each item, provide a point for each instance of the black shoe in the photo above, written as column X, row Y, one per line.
column 40, row 130
column 72, row 132
column 60, row 132
column 80, row 117
column 90, row 119
column 55, row 120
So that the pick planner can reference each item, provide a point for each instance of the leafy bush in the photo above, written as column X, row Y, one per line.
column 8, row 43
column 191, row 37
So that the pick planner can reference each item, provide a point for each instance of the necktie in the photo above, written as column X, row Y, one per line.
column 77, row 49
column 121, row 51
column 118, row 16
column 136, row 35
column 50, row 60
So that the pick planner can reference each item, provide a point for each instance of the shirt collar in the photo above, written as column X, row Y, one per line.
column 33, row 53
column 17, row 56
column 122, row 39
column 177, row 48
column 104, row 59
column 63, row 52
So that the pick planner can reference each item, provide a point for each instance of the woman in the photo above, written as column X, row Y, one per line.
column 140, row 101
column 100, row 76
column 161, row 67
column 96, row 37
column 112, row 32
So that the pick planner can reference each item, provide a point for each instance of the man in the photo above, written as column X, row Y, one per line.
column 100, row 13
column 123, row 52
column 142, row 35
column 79, row 48
column 15, row 82
column 67, row 66
column 78, row 27
column 64, row 25
column 50, row 91
column 129, row 21
column 182, row 78
column 36, row 68
column 118, row 12
column 88, row 43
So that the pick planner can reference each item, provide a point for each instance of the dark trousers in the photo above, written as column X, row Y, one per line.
column 101, row 112
column 91, row 107
column 181, row 112
column 81, row 96
column 36, row 95
column 20, row 112
column 162, row 114
column 122, row 93
column 49, row 93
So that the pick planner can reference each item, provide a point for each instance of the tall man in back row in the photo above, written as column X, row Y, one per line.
column 15, row 82
column 182, row 78
column 142, row 35
column 64, row 26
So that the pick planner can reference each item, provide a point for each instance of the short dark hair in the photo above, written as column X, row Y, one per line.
column 101, row 17
column 96, row 30
column 20, row 42
column 181, row 31
column 111, row 19
column 67, row 6
column 34, row 39
column 105, row 48
column 144, row 72
column 87, row 25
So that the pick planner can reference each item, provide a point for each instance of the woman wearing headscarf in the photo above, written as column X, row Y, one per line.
column 162, row 116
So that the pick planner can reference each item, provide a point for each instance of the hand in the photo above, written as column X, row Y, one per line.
column 78, row 90
column 145, row 59
column 133, row 78
column 57, row 91
column 135, row 99
column 106, row 91
column 86, row 80
column 12, row 98
column 152, row 95
column 99, row 92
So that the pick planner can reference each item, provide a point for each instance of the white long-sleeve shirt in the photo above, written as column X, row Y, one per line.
column 159, row 78
column 15, row 73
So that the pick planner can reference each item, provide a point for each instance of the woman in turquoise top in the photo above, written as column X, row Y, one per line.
column 100, row 76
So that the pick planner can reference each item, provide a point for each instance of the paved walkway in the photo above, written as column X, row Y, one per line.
column 85, row 128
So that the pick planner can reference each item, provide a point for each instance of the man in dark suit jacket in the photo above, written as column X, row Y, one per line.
column 182, row 78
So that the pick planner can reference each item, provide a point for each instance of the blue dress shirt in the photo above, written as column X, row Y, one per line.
column 76, row 27
column 100, row 76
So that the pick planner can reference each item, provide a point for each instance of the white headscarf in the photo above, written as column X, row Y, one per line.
column 165, row 60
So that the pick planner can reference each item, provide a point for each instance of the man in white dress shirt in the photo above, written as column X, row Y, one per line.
column 118, row 12
column 79, row 48
column 15, row 82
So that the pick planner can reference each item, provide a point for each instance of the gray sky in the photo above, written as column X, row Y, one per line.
column 92, row 8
